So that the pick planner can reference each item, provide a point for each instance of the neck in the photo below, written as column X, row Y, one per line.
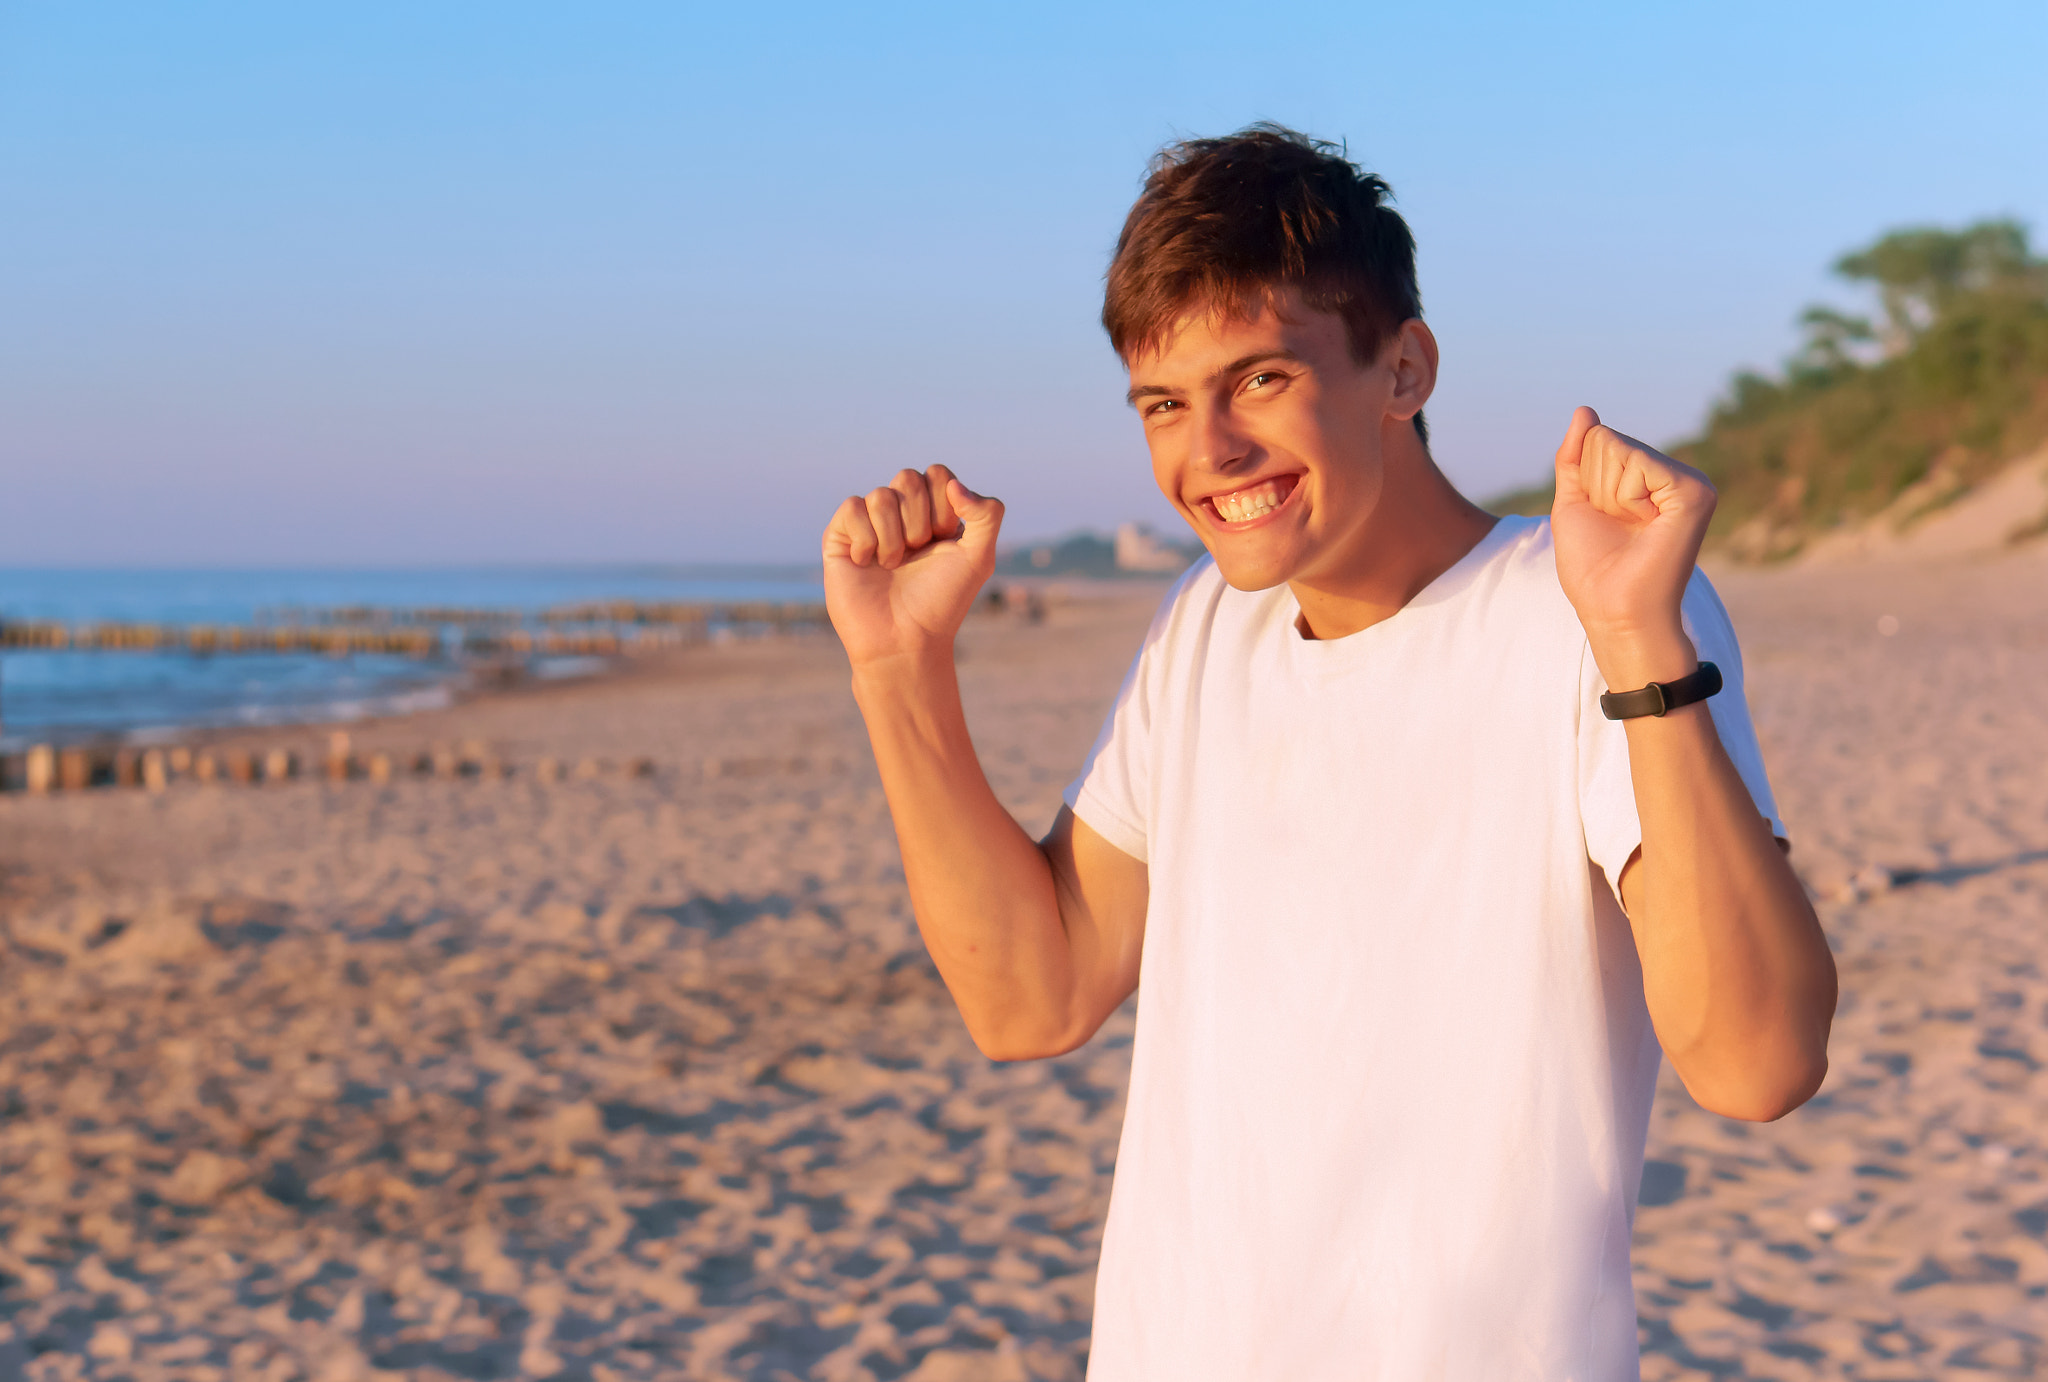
column 1419, row 528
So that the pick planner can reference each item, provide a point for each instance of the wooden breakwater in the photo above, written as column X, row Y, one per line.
column 605, row 629
column 42, row 769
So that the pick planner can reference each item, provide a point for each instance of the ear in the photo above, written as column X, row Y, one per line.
column 1413, row 355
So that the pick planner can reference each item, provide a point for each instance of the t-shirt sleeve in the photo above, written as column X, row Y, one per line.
column 1607, row 798
column 1114, row 786
column 1114, row 791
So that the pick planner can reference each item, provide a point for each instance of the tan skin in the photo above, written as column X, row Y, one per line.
column 1039, row 941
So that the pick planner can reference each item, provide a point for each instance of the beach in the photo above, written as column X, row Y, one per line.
column 641, row 1071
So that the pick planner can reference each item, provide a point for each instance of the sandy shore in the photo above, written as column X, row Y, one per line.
column 637, row 1077
column 1894, row 1228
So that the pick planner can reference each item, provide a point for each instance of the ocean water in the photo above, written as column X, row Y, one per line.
column 69, row 696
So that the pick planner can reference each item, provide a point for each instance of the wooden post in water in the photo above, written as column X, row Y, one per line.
column 127, row 768
column 241, row 765
column 154, row 776
column 379, row 766
column 279, row 765
column 40, row 769
column 179, row 760
column 74, row 770
column 478, row 761
column 338, row 756
column 205, row 767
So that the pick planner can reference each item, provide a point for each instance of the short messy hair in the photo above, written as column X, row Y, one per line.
column 1221, row 222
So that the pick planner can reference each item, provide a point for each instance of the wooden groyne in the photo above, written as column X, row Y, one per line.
column 605, row 629
column 208, row 639
column 43, row 770
column 686, row 613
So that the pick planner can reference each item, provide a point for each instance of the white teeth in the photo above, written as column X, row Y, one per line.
column 1247, row 503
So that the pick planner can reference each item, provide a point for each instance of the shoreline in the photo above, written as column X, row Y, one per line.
column 590, row 640
column 101, row 659
column 306, row 738
column 433, row 709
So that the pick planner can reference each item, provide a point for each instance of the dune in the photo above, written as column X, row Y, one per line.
column 1937, row 521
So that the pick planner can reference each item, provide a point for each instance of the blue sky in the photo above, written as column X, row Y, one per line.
column 374, row 283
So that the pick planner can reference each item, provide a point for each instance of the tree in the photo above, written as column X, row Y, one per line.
column 1949, row 376
column 1830, row 340
column 1921, row 273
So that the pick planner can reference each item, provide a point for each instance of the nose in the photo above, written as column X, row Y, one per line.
column 1219, row 444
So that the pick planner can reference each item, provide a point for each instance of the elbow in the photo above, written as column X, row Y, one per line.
column 1764, row 1069
column 1020, row 1042
column 1008, row 1050
column 1767, row 1096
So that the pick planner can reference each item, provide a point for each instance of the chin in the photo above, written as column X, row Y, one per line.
column 1249, row 576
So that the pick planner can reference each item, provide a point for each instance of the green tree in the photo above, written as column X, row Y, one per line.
column 1924, row 273
column 1944, row 382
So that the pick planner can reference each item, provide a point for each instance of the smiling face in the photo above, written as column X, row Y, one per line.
column 1273, row 441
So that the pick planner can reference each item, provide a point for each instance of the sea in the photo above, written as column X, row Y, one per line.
column 71, row 696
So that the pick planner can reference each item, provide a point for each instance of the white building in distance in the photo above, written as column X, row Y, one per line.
column 1138, row 550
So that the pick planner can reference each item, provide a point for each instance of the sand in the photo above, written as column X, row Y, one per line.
column 628, row 1076
column 1894, row 1228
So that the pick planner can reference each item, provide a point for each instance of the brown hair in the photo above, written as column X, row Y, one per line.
column 1223, row 220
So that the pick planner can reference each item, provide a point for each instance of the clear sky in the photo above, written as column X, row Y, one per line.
column 373, row 283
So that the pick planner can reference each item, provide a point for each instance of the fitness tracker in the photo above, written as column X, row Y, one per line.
column 1660, row 696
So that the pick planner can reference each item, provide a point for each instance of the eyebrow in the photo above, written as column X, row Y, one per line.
column 1139, row 391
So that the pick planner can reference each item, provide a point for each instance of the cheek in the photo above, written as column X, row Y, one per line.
column 1165, row 469
column 1342, row 459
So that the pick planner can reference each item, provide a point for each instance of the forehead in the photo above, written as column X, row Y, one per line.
column 1210, row 333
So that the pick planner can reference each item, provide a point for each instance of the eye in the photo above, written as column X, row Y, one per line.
column 1261, row 379
column 1164, row 405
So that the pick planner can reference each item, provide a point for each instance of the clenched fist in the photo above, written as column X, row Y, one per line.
column 903, row 564
column 1627, row 524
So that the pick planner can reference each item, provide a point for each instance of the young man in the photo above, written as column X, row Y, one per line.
column 1413, row 916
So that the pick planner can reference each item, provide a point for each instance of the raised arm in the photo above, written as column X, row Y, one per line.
column 1737, row 974
column 1038, row 941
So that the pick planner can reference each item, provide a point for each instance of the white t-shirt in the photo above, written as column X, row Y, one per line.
column 1393, row 1069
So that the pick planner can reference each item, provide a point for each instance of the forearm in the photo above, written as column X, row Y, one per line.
column 1737, row 974
column 983, row 891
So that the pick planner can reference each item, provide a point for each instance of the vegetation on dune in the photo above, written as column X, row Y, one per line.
column 1909, row 407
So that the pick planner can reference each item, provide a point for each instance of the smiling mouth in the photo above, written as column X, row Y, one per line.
column 1253, row 502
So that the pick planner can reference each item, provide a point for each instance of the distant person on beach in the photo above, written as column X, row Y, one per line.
column 1415, row 907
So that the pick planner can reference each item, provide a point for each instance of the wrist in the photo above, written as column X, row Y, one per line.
column 908, row 672
column 1630, row 659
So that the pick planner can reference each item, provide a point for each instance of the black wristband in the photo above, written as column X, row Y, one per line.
column 1660, row 696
